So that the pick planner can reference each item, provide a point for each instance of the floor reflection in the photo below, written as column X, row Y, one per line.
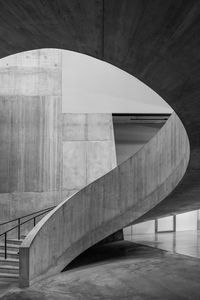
column 183, row 242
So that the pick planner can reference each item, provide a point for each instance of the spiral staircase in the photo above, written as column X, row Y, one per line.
column 155, row 41
column 110, row 203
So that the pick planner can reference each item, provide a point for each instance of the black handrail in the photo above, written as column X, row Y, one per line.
column 37, row 214
column 7, row 222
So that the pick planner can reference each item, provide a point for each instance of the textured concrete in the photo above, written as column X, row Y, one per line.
column 108, row 204
column 120, row 270
column 30, row 132
column 88, row 149
column 45, row 156
column 155, row 41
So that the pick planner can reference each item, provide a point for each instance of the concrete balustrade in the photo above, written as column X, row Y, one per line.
column 108, row 204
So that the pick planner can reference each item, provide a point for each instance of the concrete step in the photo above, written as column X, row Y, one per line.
column 9, row 275
column 10, row 254
column 9, row 261
column 14, row 241
column 12, row 247
column 9, row 269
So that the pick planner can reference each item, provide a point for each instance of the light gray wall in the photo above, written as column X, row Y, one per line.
column 88, row 149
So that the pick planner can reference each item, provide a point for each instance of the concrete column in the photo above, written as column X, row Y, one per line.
column 198, row 219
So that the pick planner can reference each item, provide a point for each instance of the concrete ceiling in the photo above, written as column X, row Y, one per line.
column 156, row 41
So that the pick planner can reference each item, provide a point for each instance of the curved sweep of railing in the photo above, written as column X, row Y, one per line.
column 106, row 205
column 31, row 217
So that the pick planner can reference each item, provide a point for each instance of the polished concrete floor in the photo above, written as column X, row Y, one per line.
column 183, row 242
column 7, row 285
column 120, row 270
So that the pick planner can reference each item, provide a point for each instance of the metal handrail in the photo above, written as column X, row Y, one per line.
column 38, row 213
column 7, row 222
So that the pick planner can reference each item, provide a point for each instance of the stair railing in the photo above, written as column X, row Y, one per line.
column 19, row 224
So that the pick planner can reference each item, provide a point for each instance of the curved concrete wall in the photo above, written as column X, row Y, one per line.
column 108, row 204
column 39, row 136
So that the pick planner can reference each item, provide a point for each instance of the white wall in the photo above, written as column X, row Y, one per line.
column 141, row 228
column 93, row 86
column 165, row 224
column 187, row 221
column 147, row 227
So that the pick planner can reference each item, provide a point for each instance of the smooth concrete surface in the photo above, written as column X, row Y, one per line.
column 120, row 270
column 94, row 86
column 108, row 204
column 88, row 149
column 182, row 242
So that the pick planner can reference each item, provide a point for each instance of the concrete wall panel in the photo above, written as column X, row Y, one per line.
column 100, row 158
column 88, row 148
column 74, row 165
column 29, row 135
column 74, row 127
column 31, row 73
column 30, row 131
column 99, row 127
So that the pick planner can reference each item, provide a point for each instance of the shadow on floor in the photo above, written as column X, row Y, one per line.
column 101, row 254
column 120, row 270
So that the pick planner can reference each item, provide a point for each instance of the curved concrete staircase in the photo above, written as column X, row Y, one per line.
column 110, row 203
column 155, row 41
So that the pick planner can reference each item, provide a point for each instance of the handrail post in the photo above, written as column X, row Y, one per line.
column 19, row 229
column 5, row 245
